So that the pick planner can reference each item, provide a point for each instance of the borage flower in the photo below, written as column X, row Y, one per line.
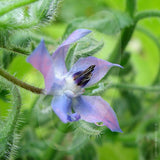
column 67, row 87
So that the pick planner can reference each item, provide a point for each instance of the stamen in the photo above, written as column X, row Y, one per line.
column 83, row 77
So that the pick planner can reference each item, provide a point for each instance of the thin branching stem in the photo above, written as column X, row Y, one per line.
column 20, row 83
column 134, row 87
column 37, row 90
column 131, row 6
column 146, row 14
column 96, row 90
column 128, row 32
column 24, row 53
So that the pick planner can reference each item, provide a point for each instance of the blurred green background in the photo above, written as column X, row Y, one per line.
column 39, row 133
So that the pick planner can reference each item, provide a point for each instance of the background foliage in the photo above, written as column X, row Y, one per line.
column 124, row 32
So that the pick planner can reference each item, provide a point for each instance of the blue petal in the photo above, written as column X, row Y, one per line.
column 62, row 107
column 100, row 70
column 60, row 54
column 76, row 35
column 42, row 61
column 94, row 109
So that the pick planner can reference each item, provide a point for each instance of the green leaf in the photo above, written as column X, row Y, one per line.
column 72, row 26
column 79, row 141
column 88, row 128
column 7, row 58
column 83, row 48
column 97, row 89
column 87, row 47
column 87, row 153
column 108, row 22
column 70, row 56
column 45, row 10
column 11, row 6
column 39, row 13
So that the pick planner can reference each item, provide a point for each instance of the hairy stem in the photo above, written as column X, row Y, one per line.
column 134, row 87
column 19, row 83
column 146, row 14
column 15, row 5
column 8, row 128
column 16, row 51
column 96, row 90
column 33, row 89
column 15, row 115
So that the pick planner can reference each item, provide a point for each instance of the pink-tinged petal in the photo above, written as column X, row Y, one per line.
column 60, row 54
column 42, row 61
column 62, row 107
column 76, row 35
column 100, row 70
column 94, row 109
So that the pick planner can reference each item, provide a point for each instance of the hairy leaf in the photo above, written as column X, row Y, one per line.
column 26, row 17
column 108, row 22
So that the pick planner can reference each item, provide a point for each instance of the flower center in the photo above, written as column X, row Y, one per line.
column 76, row 82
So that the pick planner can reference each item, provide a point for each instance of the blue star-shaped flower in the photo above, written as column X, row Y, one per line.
column 68, row 86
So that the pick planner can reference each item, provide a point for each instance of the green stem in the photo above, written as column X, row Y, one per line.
column 131, row 7
column 148, row 33
column 17, row 104
column 18, row 82
column 126, row 34
column 16, row 51
column 9, row 126
column 20, row 26
column 146, row 14
column 26, row 25
column 118, row 51
column 36, row 36
column 33, row 89
column 133, row 87
column 156, row 41
column 98, row 89
column 15, row 5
